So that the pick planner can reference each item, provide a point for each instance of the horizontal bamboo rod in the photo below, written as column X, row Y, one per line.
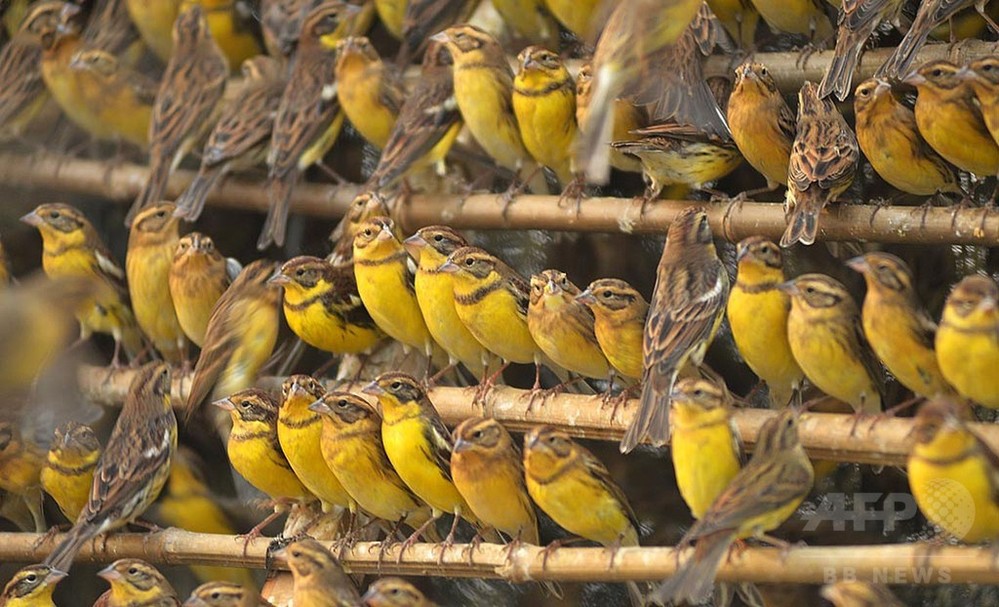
column 836, row 437
column 890, row 224
column 902, row 563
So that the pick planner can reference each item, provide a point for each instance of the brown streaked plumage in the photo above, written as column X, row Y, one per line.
column 395, row 592
column 858, row 19
column 225, row 594
column 320, row 581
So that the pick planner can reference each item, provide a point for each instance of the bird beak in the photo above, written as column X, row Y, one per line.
column 529, row 63
column 741, row 250
column 278, row 279
column 586, row 297
column 414, row 244
column 373, row 389
column 858, row 264
column 77, row 62
column 56, row 574
column 745, row 71
column 109, row 574
column 385, row 234
column 530, row 441
column 449, row 267
column 461, row 445
column 225, row 404
column 965, row 73
column 32, row 219
column 987, row 304
column 883, row 85
column 320, row 407
column 788, row 287
column 914, row 79
column 441, row 36
column 552, row 287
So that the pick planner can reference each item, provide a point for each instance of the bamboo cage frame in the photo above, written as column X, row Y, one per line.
column 804, row 565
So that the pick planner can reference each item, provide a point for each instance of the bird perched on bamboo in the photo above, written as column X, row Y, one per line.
column 950, row 120
column 240, row 337
column 824, row 159
column 370, row 91
column 702, row 423
column 578, row 16
column 428, row 123
column 897, row 326
column 431, row 246
column 764, row 494
column 983, row 76
column 152, row 241
column 762, row 124
column 952, row 473
column 827, row 340
column 239, row 139
column 858, row 19
column 187, row 103
column 564, row 328
column 23, row 92
column 635, row 33
column 966, row 343
column 385, row 279
column 69, row 467
column 757, row 313
column 198, row 277
column 71, row 249
column 859, row 594
column 319, row 579
column 931, row 14
column 225, row 594
column 323, row 307
column 31, row 586
column 155, row 20
column 424, row 18
column 530, row 20
column 231, row 23
column 394, row 592
column 483, row 90
column 135, row 582
column 309, row 117
column 619, row 313
column 134, row 467
column 628, row 118
column 888, row 136
column 21, row 463
column 419, row 446
column 686, row 309
column 351, row 445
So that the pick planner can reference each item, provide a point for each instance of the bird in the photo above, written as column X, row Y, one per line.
column 891, row 141
column 309, row 117
column 858, row 19
column 628, row 118
column 529, row 19
column 24, row 93
column 224, row 594
column 966, row 339
column 757, row 313
column 385, row 276
column 764, row 494
column 21, row 464
column 136, row 582
column 488, row 471
column 563, row 328
column 395, row 592
column 431, row 246
column 351, row 445
column 950, row 120
column 804, row 17
column 854, row 593
column 239, row 138
column 69, row 467
column 429, row 122
column 299, row 432
column 827, row 340
column 391, row 13
column 232, row 27
column 419, row 446
column 953, row 473
column 152, row 241
column 365, row 206
column 578, row 16
column 253, row 447
column 619, row 313
column 762, row 124
column 281, row 23
column 702, row 423
column 319, row 580
column 636, row 33
column 424, row 18
column 897, row 326
column 739, row 18
column 983, row 76
column 198, row 277
column 370, row 92
column 930, row 14
column 240, row 337
column 824, row 159
column 134, row 466
column 155, row 20
column 187, row 102
column 71, row 248
column 323, row 307
column 687, row 307
column 31, row 586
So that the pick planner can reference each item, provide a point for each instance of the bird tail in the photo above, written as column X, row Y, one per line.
column 652, row 419
column 276, row 223
column 803, row 224
column 592, row 150
column 694, row 580
column 897, row 65
column 154, row 188
column 840, row 73
column 62, row 556
column 192, row 201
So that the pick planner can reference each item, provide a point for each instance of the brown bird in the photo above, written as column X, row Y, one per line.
column 424, row 18
column 857, row 21
column 22, row 90
column 824, row 158
column 188, row 97
column 225, row 594
column 320, row 581
column 281, row 24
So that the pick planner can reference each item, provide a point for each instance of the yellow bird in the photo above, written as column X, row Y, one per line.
column 391, row 13
column 897, row 326
column 739, row 18
column 394, row 592
column 757, row 312
column 966, row 344
column 21, row 463
column 154, row 20
column 198, row 277
column 578, row 16
column 232, row 28
column 619, row 314
column 805, row 17
column 983, row 77
column 319, row 580
column 114, row 101
column 953, row 474
column 134, row 582
column 225, row 594
column 762, row 124
column 152, row 241
column 370, row 92
column 69, row 467
column 31, row 586
column 529, row 19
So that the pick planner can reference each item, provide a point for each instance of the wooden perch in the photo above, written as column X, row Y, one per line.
column 836, row 437
column 890, row 224
column 902, row 563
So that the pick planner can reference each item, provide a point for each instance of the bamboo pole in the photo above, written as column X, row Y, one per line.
column 905, row 563
column 889, row 224
column 836, row 437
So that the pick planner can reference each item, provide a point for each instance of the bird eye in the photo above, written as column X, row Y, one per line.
column 438, row 238
column 810, row 290
column 55, row 215
column 31, row 577
column 469, row 262
column 477, row 434
column 698, row 392
column 396, row 385
column 161, row 214
column 342, row 403
column 764, row 71
column 296, row 553
column 133, row 570
column 216, row 595
column 367, row 231
column 300, row 272
column 606, row 294
column 937, row 72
